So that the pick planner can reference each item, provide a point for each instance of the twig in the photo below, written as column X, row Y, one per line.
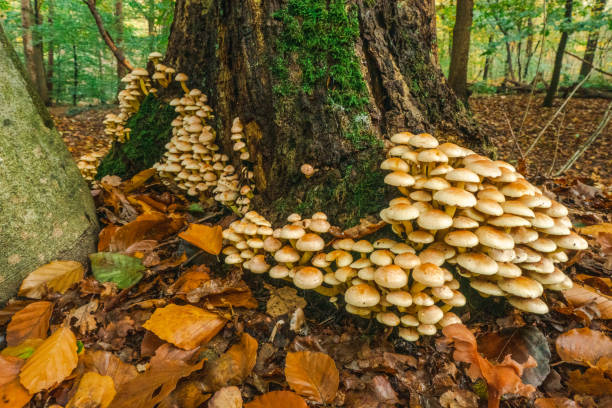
column 552, row 165
column 602, row 125
column 516, row 142
column 537, row 139
column 601, row 71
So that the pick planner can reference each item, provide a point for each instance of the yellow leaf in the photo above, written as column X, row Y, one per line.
column 24, row 349
column 51, row 363
column 234, row 366
column 56, row 276
column 595, row 229
column 581, row 294
column 13, row 395
column 185, row 326
column 31, row 322
column 277, row 399
column 313, row 375
column 204, row 237
column 138, row 180
column 94, row 390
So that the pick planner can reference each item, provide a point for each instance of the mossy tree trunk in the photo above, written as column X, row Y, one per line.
column 320, row 82
column 46, row 210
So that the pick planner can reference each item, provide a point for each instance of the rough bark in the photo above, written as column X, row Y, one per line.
column 121, row 69
column 593, row 38
column 373, row 72
column 488, row 58
column 46, row 210
column 556, row 74
column 41, row 76
column 50, row 52
column 457, row 74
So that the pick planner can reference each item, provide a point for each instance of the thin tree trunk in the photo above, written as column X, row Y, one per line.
column 28, row 42
column 556, row 74
column 488, row 57
column 509, row 67
column 151, row 25
column 460, row 52
column 529, row 51
column 50, row 52
column 591, row 45
column 75, row 75
column 39, row 65
column 519, row 67
column 121, row 69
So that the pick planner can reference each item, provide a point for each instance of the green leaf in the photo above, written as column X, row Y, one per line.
column 123, row 270
column 26, row 353
column 80, row 346
column 195, row 207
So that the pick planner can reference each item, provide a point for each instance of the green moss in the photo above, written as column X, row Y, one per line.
column 316, row 50
column 151, row 130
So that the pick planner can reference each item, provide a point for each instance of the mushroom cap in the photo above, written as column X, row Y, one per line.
column 181, row 77
column 442, row 292
column 565, row 285
column 508, row 270
column 478, row 263
column 433, row 183
column 461, row 222
column 544, row 265
column 345, row 244
column 448, row 319
column 572, row 241
column 399, row 179
column 367, row 274
column 409, row 320
column 485, row 168
column 400, row 298
column 423, row 141
column 458, row 300
column 428, row 274
column 272, row 244
column 398, row 151
column 548, row 278
column 408, row 334
column 542, row 220
column 521, row 286
column 381, row 257
column 517, row 189
column 543, row 245
column 390, row 276
column 491, row 193
column 486, row 287
column 433, row 256
column 407, row 260
column 363, row 246
column 341, row 257
column 536, row 201
column 517, row 208
column 462, row 175
column 427, row 329
column 402, row 212
column 455, row 197
column 286, row 255
column 420, row 195
column 509, row 221
column 258, row 264
column 432, row 156
column 388, row 318
column 422, row 299
column 343, row 274
column 361, row 263
column 310, row 243
column 140, row 72
column 441, row 170
column 536, row 305
column 434, row 220
column 292, row 232
column 362, row 295
column 522, row 235
column 384, row 243
column 489, row 207
column 308, row 277
column 401, row 138
column 556, row 210
column 494, row 238
column 401, row 248
column 320, row 261
column 452, row 150
column 395, row 164
column 430, row 314
column 461, row 239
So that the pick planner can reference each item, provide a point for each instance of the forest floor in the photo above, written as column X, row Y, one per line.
column 264, row 322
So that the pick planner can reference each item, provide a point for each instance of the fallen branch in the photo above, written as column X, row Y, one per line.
column 602, row 125
column 601, row 71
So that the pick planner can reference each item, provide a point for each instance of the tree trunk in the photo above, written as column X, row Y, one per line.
column 488, row 58
column 556, row 74
column 121, row 70
column 28, row 42
column 529, row 50
column 46, row 210
column 509, row 67
column 50, row 53
column 457, row 75
column 75, row 75
column 39, row 65
column 319, row 82
column 591, row 45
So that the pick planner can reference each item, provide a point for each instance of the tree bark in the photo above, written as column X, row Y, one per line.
column 39, row 65
column 457, row 75
column 591, row 45
column 487, row 65
column 75, row 75
column 28, row 42
column 556, row 74
column 529, row 50
column 50, row 52
column 46, row 209
column 327, row 93
column 121, row 69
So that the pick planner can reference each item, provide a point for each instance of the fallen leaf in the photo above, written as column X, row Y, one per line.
column 583, row 346
column 185, row 326
column 57, row 276
column 12, row 307
column 13, row 395
column 123, row 270
column 9, row 368
column 582, row 294
column 138, row 180
column 555, row 403
column 187, row 394
column 365, row 227
column 226, row 397
column 383, row 391
column 591, row 382
column 283, row 300
column 189, row 280
column 166, row 368
column 23, row 350
column 31, row 322
column 233, row 299
column 149, row 226
column 105, row 236
column 503, row 378
column 458, row 398
column 593, row 230
column 204, row 237
column 85, row 320
column 313, row 375
column 106, row 363
column 94, row 390
column 278, row 399
column 234, row 366
column 51, row 363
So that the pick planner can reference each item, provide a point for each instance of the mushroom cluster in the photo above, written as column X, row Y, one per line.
column 459, row 214
column 88, row 165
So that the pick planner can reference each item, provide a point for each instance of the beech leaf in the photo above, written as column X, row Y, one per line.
column 591, row 382
column 204, row 237
column 51, row 363
column 313, row 375
column 584, row 294
column 31, row 322
column 148, row 226
column 234, row 366
column 123, row 270
column 185, row 326
column 555, row 403
column 12, row 393
column 57, row 276
column 583, row 346
column 106, row 363
column 277, row 399
column 23, row 350
column 94, row 390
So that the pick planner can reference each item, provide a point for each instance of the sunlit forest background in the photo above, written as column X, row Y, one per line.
column 512, row 40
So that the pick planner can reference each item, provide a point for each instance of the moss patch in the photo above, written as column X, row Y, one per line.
column 151, row 130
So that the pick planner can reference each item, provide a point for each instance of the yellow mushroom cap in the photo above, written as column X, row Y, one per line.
column 430, row 314
column 461, row 239
column 428, row 274
column 536, row 305
column 310, row 243
column 434, row 220
column 408, row 334
column 390, row 276
column 454, row 196
column 362, row 295
column 388, row 318
column 308, row 277
column 494, row 238
column 478, row 263
column 399, row 298
column 521, row 286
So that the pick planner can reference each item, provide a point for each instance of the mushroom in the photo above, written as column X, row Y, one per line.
column 182, row 78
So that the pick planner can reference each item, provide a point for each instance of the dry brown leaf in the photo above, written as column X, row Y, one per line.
column 503, row 378
column 56, row 276
column 313, row 375
column 234, row 366
column 185, row 326
column 188, row 394
column 31, row 322
column 593, row 292
column 84, row 318
column 365, row 227
column 107, row 364
column 226, row 397
column 233, row 299
column 555, row 403
column 51, row 363
column 583, row 346
column 12, row 307
column 13, row 395
column 9, row 368
column 204, row 237
column 105, row 236
column 166, row 368
column 94, row 390
column 283, row 300
column 191, row 279
column 592, row 382
column 138, row 180
column 277, row 399
column 148, row 226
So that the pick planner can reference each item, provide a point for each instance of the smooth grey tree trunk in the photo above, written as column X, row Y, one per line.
column 46, row 210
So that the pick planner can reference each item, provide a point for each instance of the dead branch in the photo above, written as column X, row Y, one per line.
column 601, row 71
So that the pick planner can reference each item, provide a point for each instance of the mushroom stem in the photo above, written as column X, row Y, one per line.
column 327, row 291
column 305, row 257
column 450, row 210
column 461, row 184
column 143, row 86
column 184, row 86
column 403, row 190
column 407, row 226
column 417, row 287
column 446, row 307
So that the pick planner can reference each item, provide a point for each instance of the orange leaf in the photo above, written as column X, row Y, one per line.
column 94, row 390
column 555, row 403
column 13, row 395
column 12, row 307
column 591, row 382
column 149, row 226
column 138, row 180
column 31, row 322
column 186, row 326
column 234, row 366
column 277, row 399
column 51, row 363
column 583, row 346
column 106, row 363
column 9, row 368
column 190, row 279
column 503, row 378
column 606, row 227
column 582, row 294
column 313, row 375
column 204, row 237
column 57, row 276
column 105, row 237
column 24, row 349
column 166, row 368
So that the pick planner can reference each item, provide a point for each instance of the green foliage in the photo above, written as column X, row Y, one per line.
column 147, row 142
column 121, row 269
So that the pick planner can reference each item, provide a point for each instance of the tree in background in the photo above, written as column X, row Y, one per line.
column 33, row 47
column 591, row 45
column 556, row 73
column 457, row 74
